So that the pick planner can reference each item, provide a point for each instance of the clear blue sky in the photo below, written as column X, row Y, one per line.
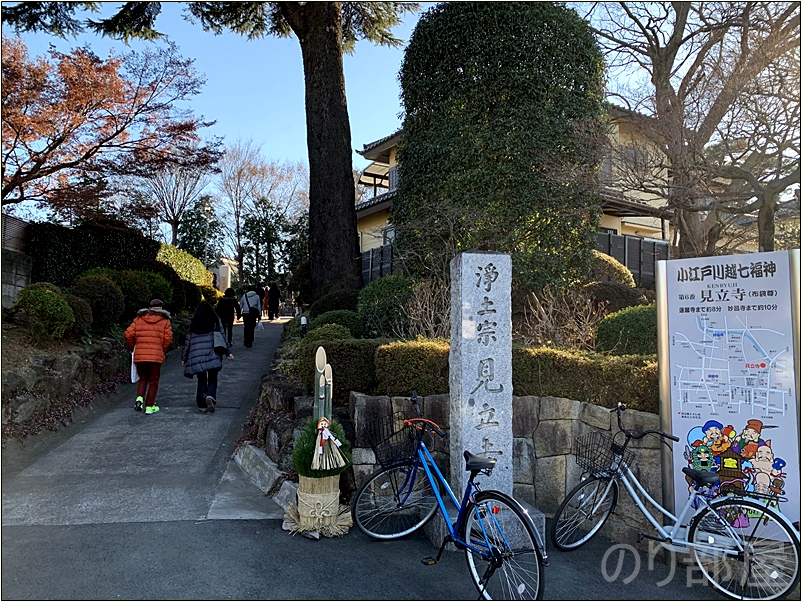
column 254, row 89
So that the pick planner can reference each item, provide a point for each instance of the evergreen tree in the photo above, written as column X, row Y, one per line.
column 200, row 232
column 325, row 30
column 504, row 127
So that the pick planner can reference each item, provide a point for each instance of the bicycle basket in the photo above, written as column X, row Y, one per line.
column 392, row 441
column 596, row 452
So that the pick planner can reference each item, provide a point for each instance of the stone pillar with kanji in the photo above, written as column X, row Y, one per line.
column 480, row 367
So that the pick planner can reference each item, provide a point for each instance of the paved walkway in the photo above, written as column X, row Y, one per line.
column 134, row 507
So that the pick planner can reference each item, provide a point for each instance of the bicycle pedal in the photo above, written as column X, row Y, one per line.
column 429, row 560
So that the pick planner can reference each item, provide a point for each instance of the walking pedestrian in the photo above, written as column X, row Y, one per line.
column 199, row 357
column 227, row 308
column 273, row 301
column 251, row 307
column 260, row 290
column 149, row 335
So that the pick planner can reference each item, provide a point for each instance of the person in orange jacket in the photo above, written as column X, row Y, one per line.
column 149, row 335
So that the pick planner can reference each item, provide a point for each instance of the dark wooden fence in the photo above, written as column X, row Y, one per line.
column 15, row 233
column 376, row 263
column 638, row 254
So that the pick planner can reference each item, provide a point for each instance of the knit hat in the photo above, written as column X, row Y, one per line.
column 156, row 303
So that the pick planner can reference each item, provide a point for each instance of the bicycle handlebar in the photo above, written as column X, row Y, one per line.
column 420, row 422
column 637, row 434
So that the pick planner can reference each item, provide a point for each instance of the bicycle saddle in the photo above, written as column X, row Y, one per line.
column 702, row 477
column 474, row 462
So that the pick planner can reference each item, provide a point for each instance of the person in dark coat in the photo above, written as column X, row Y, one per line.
column 199, row 357
column 273, row 301
column 227, row 308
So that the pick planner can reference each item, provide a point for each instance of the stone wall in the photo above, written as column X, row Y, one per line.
column 33, row 388
column 544, row 464
column 544, row 431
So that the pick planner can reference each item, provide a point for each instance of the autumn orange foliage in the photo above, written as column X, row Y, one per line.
column 71, row 120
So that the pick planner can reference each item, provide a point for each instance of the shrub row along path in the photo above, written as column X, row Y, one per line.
column 135, row 507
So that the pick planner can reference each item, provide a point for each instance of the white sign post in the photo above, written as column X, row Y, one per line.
column 728, row 363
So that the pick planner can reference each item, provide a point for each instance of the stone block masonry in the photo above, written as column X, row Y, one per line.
column 544, row 467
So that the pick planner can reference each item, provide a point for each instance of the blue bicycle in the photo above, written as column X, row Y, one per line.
column 503, row 549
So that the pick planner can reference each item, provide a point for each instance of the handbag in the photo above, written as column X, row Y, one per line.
column 220, row 345
column 134, row 373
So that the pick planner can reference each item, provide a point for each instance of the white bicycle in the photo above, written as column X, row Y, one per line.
column 746, row 549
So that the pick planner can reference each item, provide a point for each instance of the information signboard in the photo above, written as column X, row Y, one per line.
column 732, row 380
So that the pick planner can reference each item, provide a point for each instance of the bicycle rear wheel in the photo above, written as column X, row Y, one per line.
column 583, row 512
column 394, row 502
column 511, row 568
column 750, row 552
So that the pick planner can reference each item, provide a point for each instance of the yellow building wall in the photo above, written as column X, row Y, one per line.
column 370, row 229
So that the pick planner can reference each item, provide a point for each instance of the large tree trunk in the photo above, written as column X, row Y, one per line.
column 333, row 243
column 765, row 222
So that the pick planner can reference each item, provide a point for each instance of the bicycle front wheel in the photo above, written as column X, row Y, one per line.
column 583, row 512
column 747, row 551
column 505, row 564
column 394, row 502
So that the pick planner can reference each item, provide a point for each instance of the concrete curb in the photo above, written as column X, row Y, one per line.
column 264, row 473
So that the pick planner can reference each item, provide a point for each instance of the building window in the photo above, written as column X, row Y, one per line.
column 609, row 230
column 388, row 234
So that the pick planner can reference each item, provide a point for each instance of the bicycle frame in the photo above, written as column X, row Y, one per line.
column 424, row 459
column 672, row 537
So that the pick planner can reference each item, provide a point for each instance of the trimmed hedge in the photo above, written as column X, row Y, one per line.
column 343, row 317
column 210, row 294
column 81, row 310
column 61, row 254
column 177, row 300
column 616, row 295
column 631, row 330
column 47, row 286
column 159, row 287
column 185, row 265
column 404, row 366
column 193, row 295
column 333, row 301
column 381, row 304
column 596, row 378
column 49, row 314
column 609, row 269
column 104, row 297
column 353, row 365
column 133, row 286
column 328, row 332
column 382, row 367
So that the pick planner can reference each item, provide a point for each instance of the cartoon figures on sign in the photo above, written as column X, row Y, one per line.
column 746, row 445
column 745, row 462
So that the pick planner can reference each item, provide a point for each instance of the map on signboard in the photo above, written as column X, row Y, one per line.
column 734, row 366
column 733, row 385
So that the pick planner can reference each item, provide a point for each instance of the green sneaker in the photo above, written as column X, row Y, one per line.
column 138, row 404
column 151, row 409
